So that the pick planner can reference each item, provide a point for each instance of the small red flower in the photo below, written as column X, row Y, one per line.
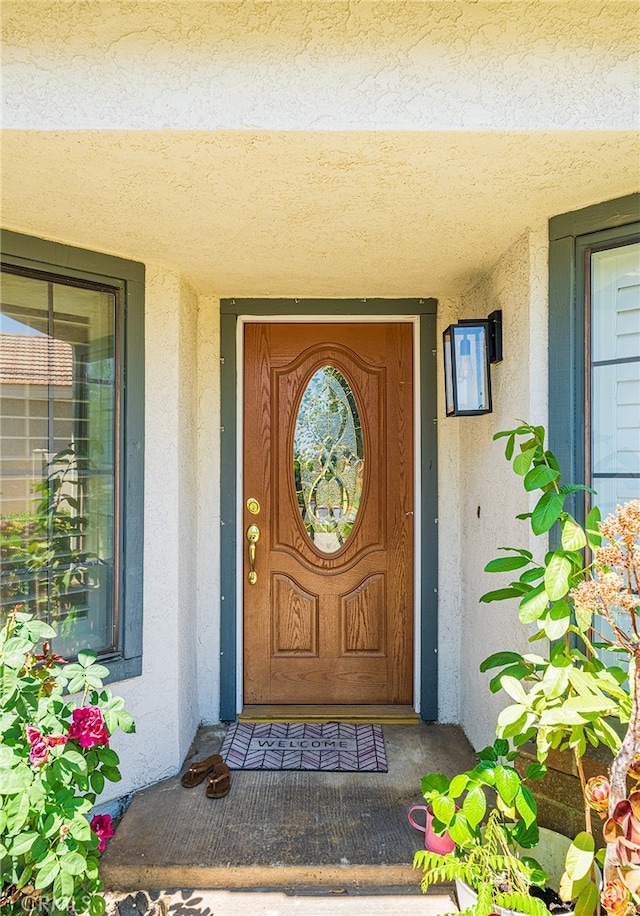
column 103, row 829
column 88, row 726
column 40, row 745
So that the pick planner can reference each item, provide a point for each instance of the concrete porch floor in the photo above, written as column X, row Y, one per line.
column 308, row 834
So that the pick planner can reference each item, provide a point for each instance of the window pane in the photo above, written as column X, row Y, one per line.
column 57, row 470
column 615, row 373
column 328, row 459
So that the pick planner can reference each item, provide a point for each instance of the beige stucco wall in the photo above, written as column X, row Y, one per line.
column 491, row 495
column 164, row 699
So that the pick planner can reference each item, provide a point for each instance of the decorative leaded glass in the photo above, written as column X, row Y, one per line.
column 328, row 459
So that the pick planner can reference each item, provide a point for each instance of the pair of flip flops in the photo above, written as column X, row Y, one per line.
column 213, row 769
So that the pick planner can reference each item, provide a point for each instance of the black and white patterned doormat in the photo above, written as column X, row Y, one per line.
column 335, row 747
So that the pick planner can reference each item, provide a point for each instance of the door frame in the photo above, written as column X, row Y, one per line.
column 234, row 313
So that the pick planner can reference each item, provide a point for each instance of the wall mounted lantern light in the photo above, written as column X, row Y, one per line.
column 469, row 348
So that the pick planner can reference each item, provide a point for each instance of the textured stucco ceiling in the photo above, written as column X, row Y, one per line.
column 304, row 214
column 335, row 148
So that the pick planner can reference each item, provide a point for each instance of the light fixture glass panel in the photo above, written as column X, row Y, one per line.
column 328, row 459
column 448, row 373
column 471, row 367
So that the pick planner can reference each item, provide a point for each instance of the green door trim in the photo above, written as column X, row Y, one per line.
column 230, row 311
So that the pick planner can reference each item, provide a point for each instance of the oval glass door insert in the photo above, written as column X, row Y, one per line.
column 328, row 459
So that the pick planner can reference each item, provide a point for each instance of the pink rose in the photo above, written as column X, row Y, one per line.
column 40, row 745
column 103, row 829
column 39, row 750
column 88, row 727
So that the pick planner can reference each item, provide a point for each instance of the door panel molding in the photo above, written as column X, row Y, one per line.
column 232, row 313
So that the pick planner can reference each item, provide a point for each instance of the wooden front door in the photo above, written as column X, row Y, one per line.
column 328, row 457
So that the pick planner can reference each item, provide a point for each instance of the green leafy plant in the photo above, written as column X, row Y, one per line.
column 569, row 698
column 490, row 815
column 56, row 720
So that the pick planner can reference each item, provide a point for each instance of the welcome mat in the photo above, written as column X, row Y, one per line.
column 335, row 747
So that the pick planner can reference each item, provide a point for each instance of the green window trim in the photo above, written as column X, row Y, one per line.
column 52, row 259
column 571, row 237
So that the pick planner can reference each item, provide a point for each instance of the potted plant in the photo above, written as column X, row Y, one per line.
column 56, row 720
column 490, row 815
column 569, row 698
column 564, row 696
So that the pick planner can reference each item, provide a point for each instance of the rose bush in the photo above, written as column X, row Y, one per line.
column 55, row 723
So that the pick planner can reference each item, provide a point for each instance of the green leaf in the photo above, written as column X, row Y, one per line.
column 97, row 906
column 22, row 843
column 508, row 452
column 63, row 889
column 498, row 659
column 14, row 651
column 86, row 657
column 97, row 781
column 519, row 671
column 595, row 704
column 556, row 621
column 528, row 837
column 506, row 564
column 111, row 773
column 500, row 594
column 73, row 863
column 458, row 785
column 580, row 856
column 526, row 805
column 501, row 747
column 536, row 771
column 587, row 902
column 435, row 782
column 532, row 575
column 16, row 779
column 8, row 757
column 591, row 526
column 73, row 760
column 540, row 476
column 510, row 717
column 557, row 576
column 38, row 630
column 573, row 536
column 514, row 688
column 80, row 829
column 16, row 812
column 534, row 604
column 459, row 830
column 522, row 462
column 47, row 872
column 125, row 722
column 547, row 512
column 507, row 783
column 561, row 716
column 556, row 680
column 444, row 809
column 107, row 755
column 474, row 806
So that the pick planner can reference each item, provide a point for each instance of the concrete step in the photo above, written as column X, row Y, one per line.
column 339, row 832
